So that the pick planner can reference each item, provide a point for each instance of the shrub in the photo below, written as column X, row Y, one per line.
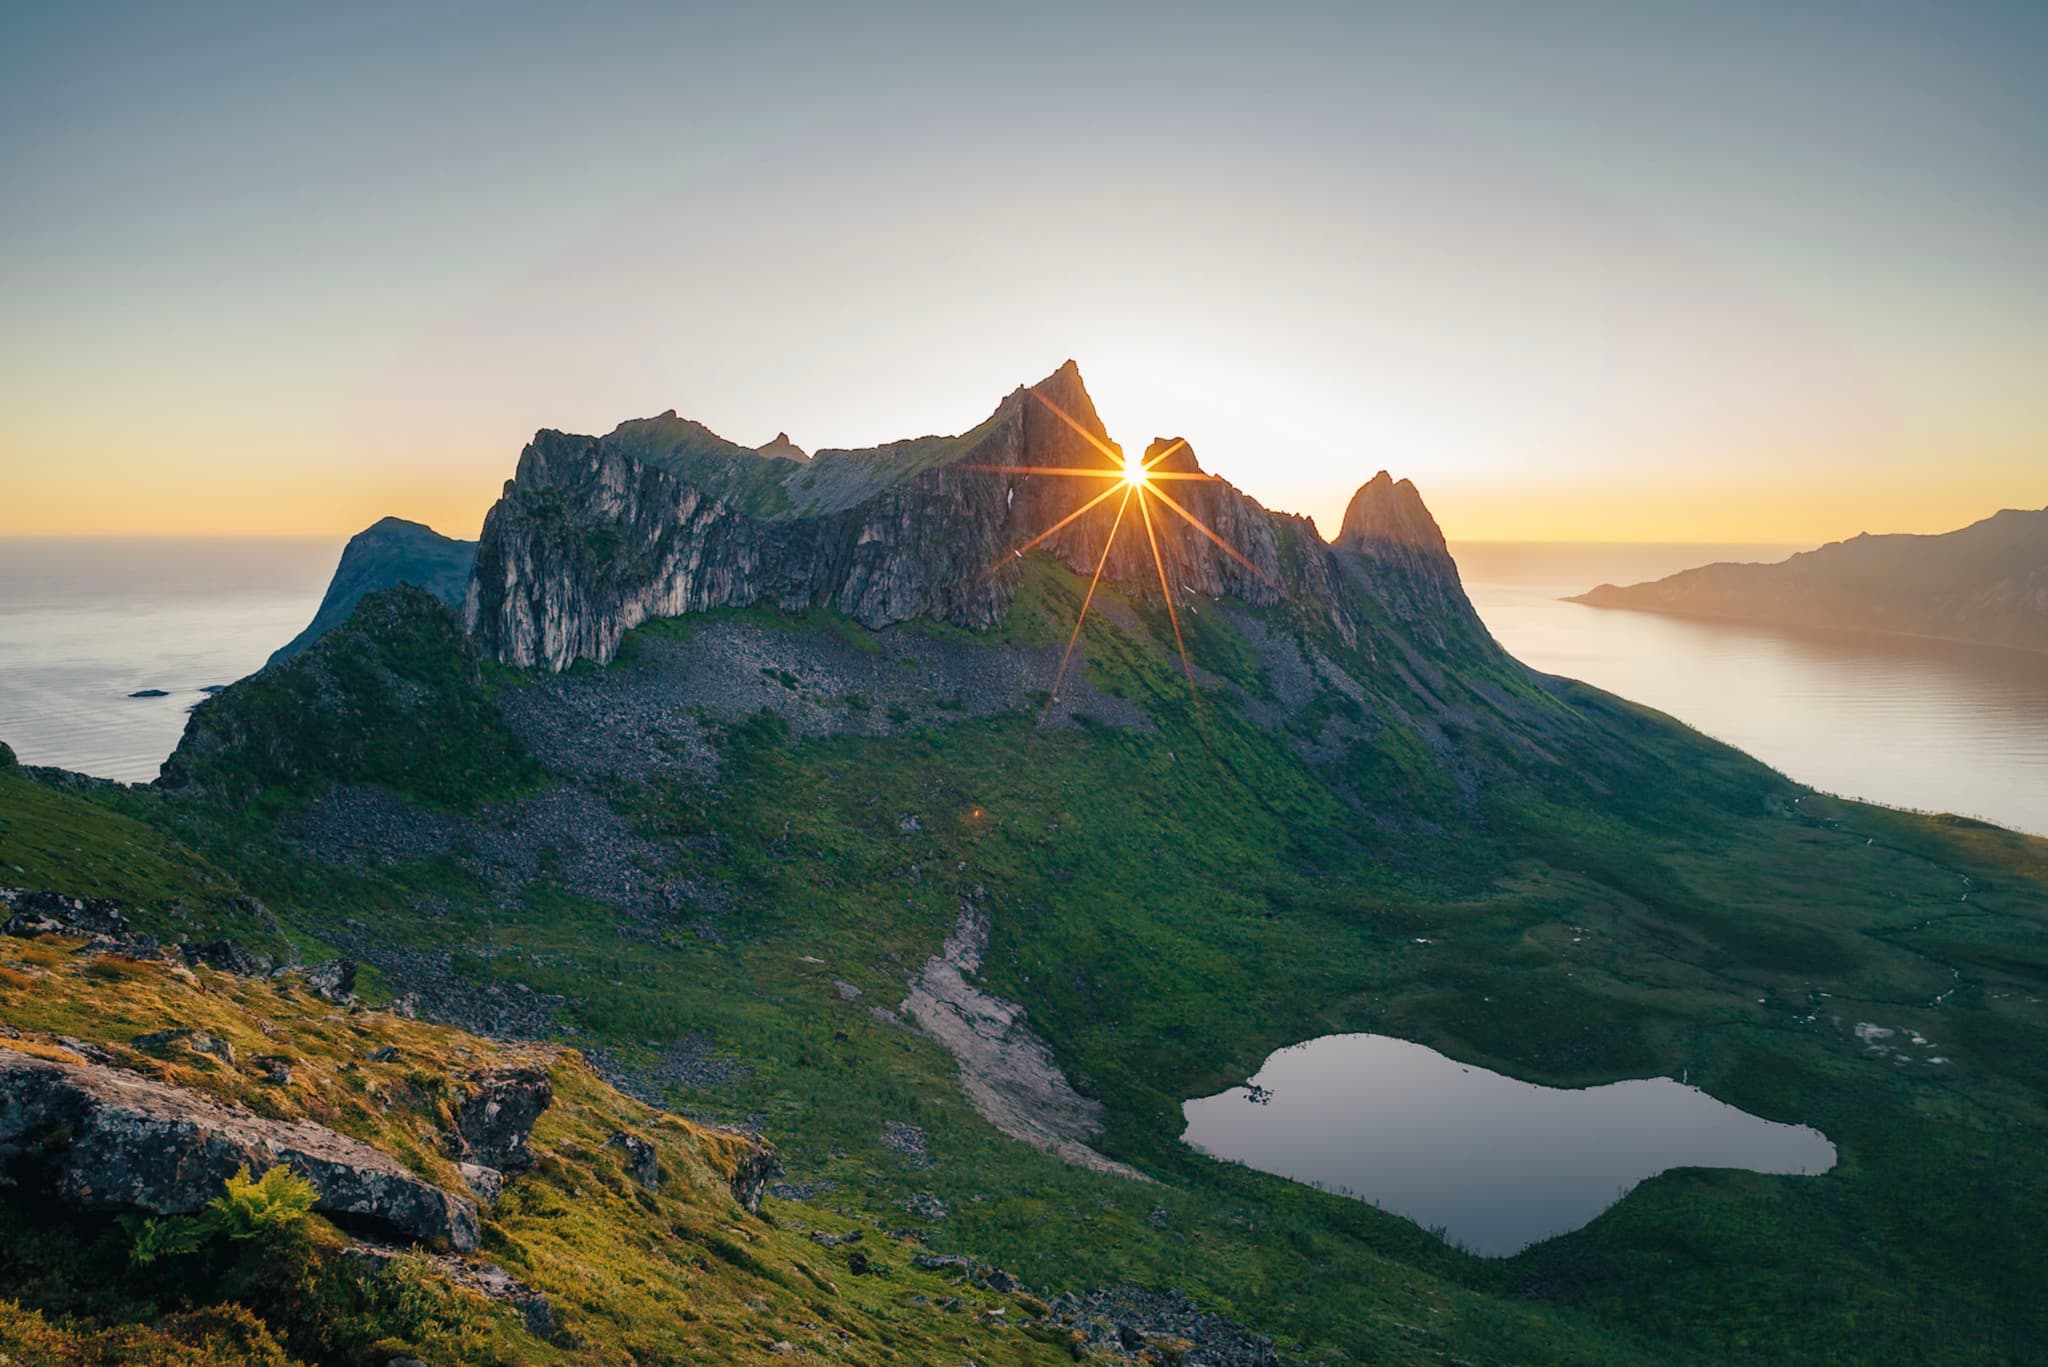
column 263, row 1207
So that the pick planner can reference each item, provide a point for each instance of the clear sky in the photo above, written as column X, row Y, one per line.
column 1749, row 270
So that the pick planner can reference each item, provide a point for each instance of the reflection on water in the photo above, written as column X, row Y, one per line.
column 1491, row 1163
column 1910, row 722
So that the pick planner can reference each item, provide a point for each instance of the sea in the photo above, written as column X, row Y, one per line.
column 85, row 623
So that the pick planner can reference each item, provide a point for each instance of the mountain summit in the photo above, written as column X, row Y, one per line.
column 663, row 517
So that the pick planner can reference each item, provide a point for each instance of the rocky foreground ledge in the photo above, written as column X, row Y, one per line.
column 99, row 1138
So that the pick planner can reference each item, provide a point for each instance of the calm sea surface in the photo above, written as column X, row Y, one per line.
column 84, row 622
column 1907, row 722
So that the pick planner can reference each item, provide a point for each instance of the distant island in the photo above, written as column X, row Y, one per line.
column 1986, row 583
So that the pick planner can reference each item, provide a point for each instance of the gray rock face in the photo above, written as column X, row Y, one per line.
column 496, row 1119
column 761, row 1166
column 1391, row 543
column 641, row 1163
column 103, row 1139
column 595, row 535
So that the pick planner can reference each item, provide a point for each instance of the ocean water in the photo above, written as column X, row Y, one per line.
column 1904, row 721
column 85, row 621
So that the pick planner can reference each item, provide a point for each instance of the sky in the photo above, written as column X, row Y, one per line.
column 1732, row 271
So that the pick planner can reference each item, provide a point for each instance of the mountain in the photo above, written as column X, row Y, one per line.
column 782, row 448
column 595, row 535
column 752, row 802
column 388, row 552
column 1987, row 583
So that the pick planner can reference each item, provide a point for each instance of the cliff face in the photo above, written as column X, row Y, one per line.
column 1987, row 583
column 1392, row 545
column 594, row 535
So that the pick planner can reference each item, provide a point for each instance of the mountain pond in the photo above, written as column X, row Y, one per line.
column 1486, row 1162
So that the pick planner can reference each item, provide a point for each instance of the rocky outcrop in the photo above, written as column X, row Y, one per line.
column 782, row 448
column 495, row 1120
column 594, row 535
column 98, row 1138
column 1986, row 583
column 641, row 1163
column 387, row 553
column 1393, row 547
column 96, row 920
column 758, row 1165
column 105, row 928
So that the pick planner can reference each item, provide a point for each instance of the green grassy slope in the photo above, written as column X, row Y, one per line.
column 1602, row 894
column 673, row 1273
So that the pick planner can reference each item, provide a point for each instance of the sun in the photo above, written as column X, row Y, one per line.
column 1138, row 479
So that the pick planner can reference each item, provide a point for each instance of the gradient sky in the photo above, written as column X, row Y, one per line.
column 1635, row 271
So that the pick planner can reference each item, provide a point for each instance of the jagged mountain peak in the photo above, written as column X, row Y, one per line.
column 1387, row 511
column 663, row 518
column 1181, row 461
column 782, row 448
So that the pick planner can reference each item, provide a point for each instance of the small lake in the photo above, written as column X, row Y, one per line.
column 1492, row 1164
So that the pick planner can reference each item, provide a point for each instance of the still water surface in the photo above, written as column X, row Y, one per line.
column 1491, row 1163
column 1900, row 720
column 86, row 621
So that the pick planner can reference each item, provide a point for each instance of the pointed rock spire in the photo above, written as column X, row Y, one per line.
column 782, row 448
column 1386, row 512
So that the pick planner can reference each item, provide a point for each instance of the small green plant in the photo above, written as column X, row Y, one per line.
column 251, row 1208
column 254, row 1208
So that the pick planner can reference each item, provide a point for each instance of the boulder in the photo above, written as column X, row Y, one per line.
column 640, row 1160
column 178, row 1039
column 224, row 956
column 99, row 1138
column 334, row 980
column 493, row 1123
column 757, row 1169
column 487, row 1183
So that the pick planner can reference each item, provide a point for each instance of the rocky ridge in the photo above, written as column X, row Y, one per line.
column 594, row 535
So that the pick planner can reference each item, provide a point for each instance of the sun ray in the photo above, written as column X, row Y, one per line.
column 1203, row 528
column 1109, row 454
column 1133, row 476
column 1071, row 471
column 1166, row 590
column 1173, row 446
column 1019, row 552
column 1107, row 546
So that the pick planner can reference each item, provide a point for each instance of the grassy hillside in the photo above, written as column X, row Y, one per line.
column 676, row 1272
column 1522, row 873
